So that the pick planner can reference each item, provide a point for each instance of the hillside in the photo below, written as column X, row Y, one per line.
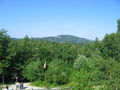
column 65, row 38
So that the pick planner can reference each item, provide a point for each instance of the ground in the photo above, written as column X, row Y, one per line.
column 28, row 87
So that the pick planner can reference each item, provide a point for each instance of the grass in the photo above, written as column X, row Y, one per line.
column 62, row 87
column 1, row 86
column 41, row 84
column 45, row 84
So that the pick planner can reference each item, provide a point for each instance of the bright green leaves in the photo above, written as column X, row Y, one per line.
column 58, row 72
column 80, row 62
column 34, row 71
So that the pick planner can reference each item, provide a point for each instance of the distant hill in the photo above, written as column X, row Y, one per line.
column 65, row 38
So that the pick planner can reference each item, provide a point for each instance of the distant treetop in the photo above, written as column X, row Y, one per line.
column 118, row 25
column 118, row 21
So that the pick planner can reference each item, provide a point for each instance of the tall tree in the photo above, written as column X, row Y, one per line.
column 111, row 45
column 19, row 53
column 4, row 44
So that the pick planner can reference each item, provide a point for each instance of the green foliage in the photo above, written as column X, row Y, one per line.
column 4, row 45
column 43, row 84
column 111, row 46
column 20, row 52
column 118, row 25
column 80, row 80
column 80, row 62
column 58, row 72
column 34, row 71
column 97, row 66
column 100, row 73
column 65, row 38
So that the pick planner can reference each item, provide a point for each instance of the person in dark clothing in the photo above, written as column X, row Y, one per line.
column 21, row 85
column 7, row 87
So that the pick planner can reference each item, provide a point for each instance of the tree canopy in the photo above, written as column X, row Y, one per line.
column 80, row 66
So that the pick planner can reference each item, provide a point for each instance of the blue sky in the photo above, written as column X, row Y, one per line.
column 42, row 18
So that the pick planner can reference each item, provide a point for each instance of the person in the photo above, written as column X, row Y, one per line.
column 21, row 85
column 7, row 87
column 17, row 84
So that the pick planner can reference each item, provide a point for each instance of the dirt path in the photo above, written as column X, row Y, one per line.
column 25, row 87
column 28, row 87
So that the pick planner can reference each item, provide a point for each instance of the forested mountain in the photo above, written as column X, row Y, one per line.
column 91, row 66
column 62, row 39
column 65, row 38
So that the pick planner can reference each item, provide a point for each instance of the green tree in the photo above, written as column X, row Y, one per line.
column 118, row 25
column 20, row 52
column 111, row 46
column 80, row 62
column 34, row 71
column 58, row 72
column 4, row 44
column 80, row 80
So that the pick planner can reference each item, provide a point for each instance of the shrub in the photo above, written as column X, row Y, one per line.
column 80, row 80
column 58, row 72
column 34, row 71
column 80, row 62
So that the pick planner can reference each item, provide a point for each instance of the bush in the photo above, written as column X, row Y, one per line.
column 80, row 62
column 58, row 72
column 98, row 72
column 34, row 71
column 42, row 84
column 80, row 80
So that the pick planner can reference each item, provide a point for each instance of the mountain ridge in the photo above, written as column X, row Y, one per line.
column 65, row 38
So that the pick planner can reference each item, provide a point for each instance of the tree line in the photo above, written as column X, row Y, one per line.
column 79, row 66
